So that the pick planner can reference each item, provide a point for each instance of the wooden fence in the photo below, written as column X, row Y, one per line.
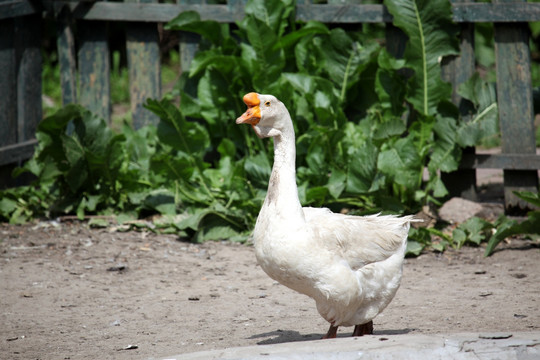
column 85, row 69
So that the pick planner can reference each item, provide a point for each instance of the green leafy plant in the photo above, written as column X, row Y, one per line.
column 476, row 231
column 366, row 129
column 506, row 227
column 359, row 144
column 432, row 35
column 217, row 203
column 83, row 169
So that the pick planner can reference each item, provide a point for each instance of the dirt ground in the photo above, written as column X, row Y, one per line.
column 71, row 292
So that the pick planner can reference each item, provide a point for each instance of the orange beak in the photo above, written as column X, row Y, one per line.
column 252, row 115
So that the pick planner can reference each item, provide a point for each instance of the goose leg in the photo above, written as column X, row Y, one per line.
column 364, row 329
column 332, row 332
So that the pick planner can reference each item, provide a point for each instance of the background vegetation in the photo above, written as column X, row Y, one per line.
column 368, row 127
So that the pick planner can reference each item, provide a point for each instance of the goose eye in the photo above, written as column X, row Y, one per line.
column 267, row 103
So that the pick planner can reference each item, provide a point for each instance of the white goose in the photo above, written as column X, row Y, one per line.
column 350, row 265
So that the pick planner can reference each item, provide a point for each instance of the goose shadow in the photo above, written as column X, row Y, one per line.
column 284, row 336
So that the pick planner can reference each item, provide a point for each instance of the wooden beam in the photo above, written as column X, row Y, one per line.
column 501, row 161
column 17, row 152
column 516, row 115
column 328, row 13
column 146, row 12
column 65, row 43
column 144, row 63
column 94, row 68
column 189, row 42
column 8, row 83
column 343, row 14
column 457, row 69
column 29, row 71
column 15, row 8
column 496, row 12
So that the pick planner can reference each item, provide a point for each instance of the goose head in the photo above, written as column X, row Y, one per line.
column 266, row 114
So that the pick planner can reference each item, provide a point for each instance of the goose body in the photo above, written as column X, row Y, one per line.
column 350, row 265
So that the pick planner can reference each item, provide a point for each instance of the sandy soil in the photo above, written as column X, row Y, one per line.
column 70, row 292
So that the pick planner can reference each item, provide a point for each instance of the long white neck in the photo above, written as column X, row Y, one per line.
column 282, row 197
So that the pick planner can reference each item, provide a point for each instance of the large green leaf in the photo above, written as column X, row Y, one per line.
column 203, row 60
column 446, row 154
column 402, row 163
column 474, row 230
column 301, row 82
column 49, row 133
column 483, row 122
column 362, row 169
column 389, row 84
column 432, row 35
column 273, row 13
column 311, row 28
column 529, row 196
column 191, row 21
column 258, row 169
column 337, row 183
column 77, row 172
column 269, row 60
column 175, row 131
column 507, row 227
column 217, row 103
column 211, row 224
column 162, row 201
column 167, row 168
column 341, row 57
column 60, row 119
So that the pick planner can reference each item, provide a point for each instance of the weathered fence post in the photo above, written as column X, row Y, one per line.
column 8, row 99
column 67, row 62
column 8, row 83
column 457, row 70
column 94, row 68
column 189, row 42
column 29, row 66
column 20, row 92
column 144, row 68
column 516, row 114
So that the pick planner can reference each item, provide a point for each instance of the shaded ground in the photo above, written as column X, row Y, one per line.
column 70, row 292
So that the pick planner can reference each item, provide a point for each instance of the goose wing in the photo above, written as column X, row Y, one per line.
column 359, row 240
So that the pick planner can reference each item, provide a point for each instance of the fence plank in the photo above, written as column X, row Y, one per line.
column 344, row 13
column 14, row 153
column 328, row 13
column 28, row 58
column 516, row 115
column 496, row 12
column 189, row 42
column 8, row 83
column 20, row 89
column 501, row 161
column 144, row 70
column 94, row 68
column 14, row 8
column 8, row 98
column 457, row 70
column 147, row 12
column 67, row 62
